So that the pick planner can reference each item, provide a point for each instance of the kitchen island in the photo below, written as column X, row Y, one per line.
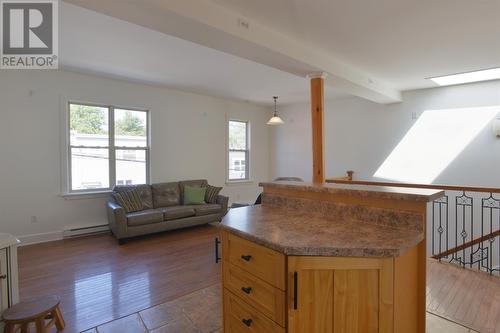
column 326, row 258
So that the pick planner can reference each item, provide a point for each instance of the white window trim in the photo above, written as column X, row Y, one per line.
column 248, row 180
column 65, row 147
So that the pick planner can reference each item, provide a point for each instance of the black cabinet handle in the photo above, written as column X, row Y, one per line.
column 295, row 287
column 246, row 290
column 217, row 242
column 247, row 322
column 246, row 258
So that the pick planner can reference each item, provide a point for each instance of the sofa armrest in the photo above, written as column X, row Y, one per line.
column 223, row 201
column 117, row 219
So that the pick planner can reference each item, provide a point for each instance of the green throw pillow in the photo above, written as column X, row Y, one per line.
column 194, row 195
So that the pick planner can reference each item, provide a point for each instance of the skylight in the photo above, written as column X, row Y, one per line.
column 476, row 76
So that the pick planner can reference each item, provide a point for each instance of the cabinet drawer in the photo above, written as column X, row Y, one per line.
column 267, row 299
column 241, row 317
column 267, row 264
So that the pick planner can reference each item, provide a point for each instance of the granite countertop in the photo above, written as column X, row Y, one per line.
column 294, row 232
column 381, row 192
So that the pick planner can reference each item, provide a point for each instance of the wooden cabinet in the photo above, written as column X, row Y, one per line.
column 272, row 292
column 337, row 295
column 4, row 285
column 9, row 292
column 290, row 245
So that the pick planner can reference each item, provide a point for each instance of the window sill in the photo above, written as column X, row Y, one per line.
column 86, row 195
column 239, row 182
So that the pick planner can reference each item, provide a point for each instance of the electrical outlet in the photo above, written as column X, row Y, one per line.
column 243, row 24
column 33, row 219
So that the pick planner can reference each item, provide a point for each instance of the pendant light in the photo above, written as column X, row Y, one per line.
column 275, row 120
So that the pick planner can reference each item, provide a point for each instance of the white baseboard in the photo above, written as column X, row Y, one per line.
column 40, row 238
column 66, row 233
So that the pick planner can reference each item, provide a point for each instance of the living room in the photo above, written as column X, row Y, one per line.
column 168, row 105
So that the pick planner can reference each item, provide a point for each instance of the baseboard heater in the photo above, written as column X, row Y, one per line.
column 85, row 231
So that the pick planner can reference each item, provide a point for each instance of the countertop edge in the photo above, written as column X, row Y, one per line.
column 396, row 193
column 327, row 251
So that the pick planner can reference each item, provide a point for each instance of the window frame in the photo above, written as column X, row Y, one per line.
column 247, row 178
column 111, row 147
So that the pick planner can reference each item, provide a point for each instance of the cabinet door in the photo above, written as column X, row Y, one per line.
column 4, row 287
column 340, row 295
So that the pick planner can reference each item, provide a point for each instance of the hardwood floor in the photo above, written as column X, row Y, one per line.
column 99, row 281
column 468, row 297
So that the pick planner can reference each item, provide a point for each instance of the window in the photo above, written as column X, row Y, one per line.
column 108, row 146
column 239, row 151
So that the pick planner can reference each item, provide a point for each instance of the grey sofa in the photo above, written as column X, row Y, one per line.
column 162, row 210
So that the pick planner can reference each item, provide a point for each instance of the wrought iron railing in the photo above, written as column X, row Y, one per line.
column 463, row 226
column 466, row 229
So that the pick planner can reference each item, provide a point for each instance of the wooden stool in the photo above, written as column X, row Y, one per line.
column 34, row 311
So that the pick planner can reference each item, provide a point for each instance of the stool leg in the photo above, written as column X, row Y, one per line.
column 24, row 328
column 58, row 317
column 9, row 328
column 40, row 325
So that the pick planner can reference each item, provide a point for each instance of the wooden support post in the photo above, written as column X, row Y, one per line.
column 317, row 117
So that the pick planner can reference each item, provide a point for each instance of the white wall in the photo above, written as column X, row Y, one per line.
column 360, row 135
column 188, row 141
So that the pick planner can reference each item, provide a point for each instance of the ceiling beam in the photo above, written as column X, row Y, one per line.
column 210, row 24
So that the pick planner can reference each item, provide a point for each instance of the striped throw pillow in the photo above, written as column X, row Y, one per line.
column 212, row 193
column 129, row 200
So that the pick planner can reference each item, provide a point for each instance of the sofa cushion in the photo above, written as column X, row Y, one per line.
column 194, row 195
column 193, row 183
column 144, row 217
column 129, row 200
column 144, row 190
column 207, row 209
column 166, row 194
column 212, row 193
column 177, row 212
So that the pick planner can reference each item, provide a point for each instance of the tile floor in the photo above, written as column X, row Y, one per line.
column 200, row 312
column 437, row 324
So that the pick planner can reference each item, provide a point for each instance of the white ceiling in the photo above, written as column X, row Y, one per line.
column 401, row 42
column 371, row 48
column 96, row 43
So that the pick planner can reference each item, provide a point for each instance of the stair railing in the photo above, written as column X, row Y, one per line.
column 463, row 226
